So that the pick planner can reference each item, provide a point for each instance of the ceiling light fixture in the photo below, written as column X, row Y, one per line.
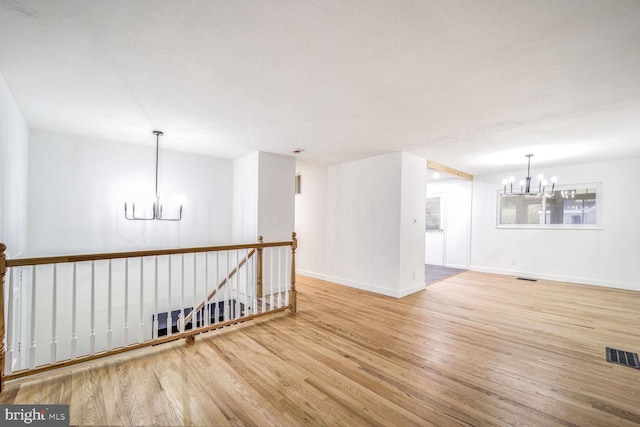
column 525, row 184
column 156, row 213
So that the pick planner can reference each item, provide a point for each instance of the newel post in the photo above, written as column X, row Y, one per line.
column 3, row 270
column 294, row 246
column 259, row 267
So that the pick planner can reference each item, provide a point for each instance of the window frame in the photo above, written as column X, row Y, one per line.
column 437, row 215
column 596, row 226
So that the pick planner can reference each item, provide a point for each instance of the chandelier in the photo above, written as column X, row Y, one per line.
column 156, row 212
column 525, row 184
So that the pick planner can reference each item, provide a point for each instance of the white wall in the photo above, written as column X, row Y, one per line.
column 412, row 224
column 78, row 188
column 366, row 210
column 276, row 197
column 311, row 222
column 263, row 197
column 457, row 219
column 607, row 257
column 245, row 198
column 14, row 142
column 363, row 223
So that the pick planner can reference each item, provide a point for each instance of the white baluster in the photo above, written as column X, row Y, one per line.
column 236, row 311
column 154, row 327
column 206, row 318
column 109, row 311
column 216, row 308
column 246, row 283
column 223, row 291
column 181, row 315
column 271, row 299
column 74, row 313
column 287, row 275
column 92, row 335
column 32, row 350
column 125, row 330
column 264, row 296
column 141, row 316
column 54, row 306
column 10, row 323
column 279, row 276
column 169, row 317
column 227, row 293
column 194, row 315
column 231, row 287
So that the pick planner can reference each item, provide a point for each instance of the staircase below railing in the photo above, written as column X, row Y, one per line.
column 223, row 282
column 87, row 303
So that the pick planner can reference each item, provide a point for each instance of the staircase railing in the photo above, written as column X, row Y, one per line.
column 221, row 285
column 80, row 306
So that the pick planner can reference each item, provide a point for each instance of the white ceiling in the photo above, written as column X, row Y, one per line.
column 472, row 84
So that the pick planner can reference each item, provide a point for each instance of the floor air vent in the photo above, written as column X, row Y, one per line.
column 623, row 358
column 527, row 279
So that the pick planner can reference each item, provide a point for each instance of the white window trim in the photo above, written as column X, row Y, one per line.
column 597, row 226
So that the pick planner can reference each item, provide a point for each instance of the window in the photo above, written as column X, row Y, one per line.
column 433, row 213
column 571, row 206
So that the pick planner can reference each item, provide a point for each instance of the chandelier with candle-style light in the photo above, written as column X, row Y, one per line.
column 525, row 184
column 156, row 213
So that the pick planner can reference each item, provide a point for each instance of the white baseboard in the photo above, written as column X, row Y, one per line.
column 458, row 266
column 411, row 290
column 559, row 278
column 363, row 286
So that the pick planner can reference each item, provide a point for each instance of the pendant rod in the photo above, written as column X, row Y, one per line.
column 157, row 133
column 528, row 178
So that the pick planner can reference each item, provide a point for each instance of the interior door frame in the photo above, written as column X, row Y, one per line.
column 443, row 224
column 461, row 236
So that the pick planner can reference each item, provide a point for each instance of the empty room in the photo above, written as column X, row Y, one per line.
column 285, row 213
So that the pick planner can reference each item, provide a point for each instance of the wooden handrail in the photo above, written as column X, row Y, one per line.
column 20, row 262
column 253, row 249
column 223, row 282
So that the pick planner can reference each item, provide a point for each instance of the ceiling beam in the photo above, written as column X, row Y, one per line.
column 444, row 168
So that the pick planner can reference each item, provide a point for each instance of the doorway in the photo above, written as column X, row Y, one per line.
column 434, row 242
column 448, row 224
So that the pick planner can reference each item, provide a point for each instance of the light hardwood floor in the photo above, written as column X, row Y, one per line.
column 474, row 349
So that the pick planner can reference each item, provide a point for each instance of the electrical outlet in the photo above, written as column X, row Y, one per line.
column 513, row 262
column 413, row 275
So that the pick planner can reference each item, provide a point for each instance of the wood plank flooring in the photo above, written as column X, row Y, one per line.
column 473, row 349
